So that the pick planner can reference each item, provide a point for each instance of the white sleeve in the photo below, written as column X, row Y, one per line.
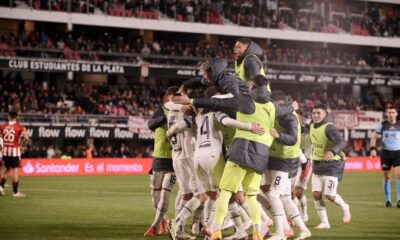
column 225, row 120
column 1, row 142
column 302, row 158
column 177, row 127
column 173, row 106
column 229, row 95
column 230, row 122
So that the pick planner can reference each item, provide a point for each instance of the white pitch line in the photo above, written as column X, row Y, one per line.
column 84, row 191
column 142, row 193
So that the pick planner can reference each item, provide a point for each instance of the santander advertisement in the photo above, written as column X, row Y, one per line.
column 362, row 164
column 109, row 166
column 82, row 166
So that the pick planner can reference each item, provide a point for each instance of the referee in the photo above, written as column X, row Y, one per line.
column 390, row 155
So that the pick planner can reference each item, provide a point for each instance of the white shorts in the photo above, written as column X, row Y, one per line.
column 186, row 176
column 162, row 180
column 278, row 181
column 297, row 182
column 326, row 184
column 208, row 172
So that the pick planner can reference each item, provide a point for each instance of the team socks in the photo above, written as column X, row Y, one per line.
column 386, row 190
column 254, row 210
column 162, row 207
column 2, row 182
column 398, row 189
column 321, row 210
column 15, row 187
column 221, row 208
column 188, row 209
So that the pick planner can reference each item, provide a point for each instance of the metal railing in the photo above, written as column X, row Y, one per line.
column 135, row 58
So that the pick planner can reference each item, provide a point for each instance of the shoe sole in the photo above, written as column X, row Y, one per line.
column 169, row 227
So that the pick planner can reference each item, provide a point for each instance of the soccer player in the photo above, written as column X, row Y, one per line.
column 328, row 164
column 208, row 159
column 390, row 155
column 10, row 132
column 214, row 73
column 181, row 133
column 248, row 152
column 282, row 166
column 248, row 63
column 163, row 177
column 300, row 182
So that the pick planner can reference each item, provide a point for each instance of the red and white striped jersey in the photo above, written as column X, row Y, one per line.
column 10, row 133
column 1, row 147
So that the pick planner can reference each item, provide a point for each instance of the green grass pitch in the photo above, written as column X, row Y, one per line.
column 119, row 207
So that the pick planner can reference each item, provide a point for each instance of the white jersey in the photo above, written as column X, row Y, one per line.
column 183, row 142
column 209, row 136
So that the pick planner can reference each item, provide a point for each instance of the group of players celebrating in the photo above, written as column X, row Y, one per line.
column 224, row 137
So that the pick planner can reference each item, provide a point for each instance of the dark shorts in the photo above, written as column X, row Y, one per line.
column 389, row 159
column 290, row 165
column 12, row 162
column 162, row 164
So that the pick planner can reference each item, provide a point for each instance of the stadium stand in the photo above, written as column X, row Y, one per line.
column 359, row 18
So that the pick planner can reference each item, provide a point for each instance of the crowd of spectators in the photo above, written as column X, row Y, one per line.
column 357, row 18
column 78, row 99
column 82, row 151
column 105, row 46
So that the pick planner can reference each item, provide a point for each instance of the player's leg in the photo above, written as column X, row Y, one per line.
column 302, row 199
column 164, row 181
column 278, row 181
column 208, row 213
column 300, row 187
column 230, row 182
column 235, row 213
column 190, row 178
column 16, row 162
column 251, row 185
column 4, row 171
column 386, row 165
column 214, row 171
column 330, row 191
column 317, row 183
column 3, row 175
column 240, row 198
column 294, row 214
column 396, row 165
column 266, row 207
column 155, row 186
